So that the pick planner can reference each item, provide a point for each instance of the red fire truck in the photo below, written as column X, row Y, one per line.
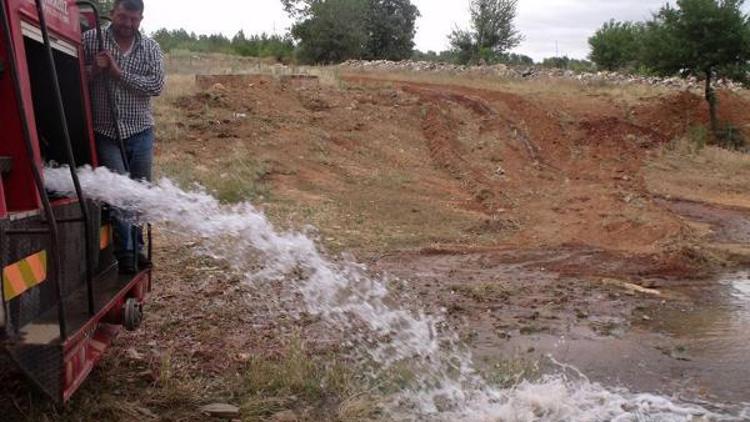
column 63, row 299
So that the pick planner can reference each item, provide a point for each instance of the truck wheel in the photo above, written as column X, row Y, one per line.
column 132, row 314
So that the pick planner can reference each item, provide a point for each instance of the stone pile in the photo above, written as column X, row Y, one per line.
column 533, row 72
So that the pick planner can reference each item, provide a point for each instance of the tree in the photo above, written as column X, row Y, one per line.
column 493, row 31
column 299, row 8
column 706, row 38
column 464, row 48
column 334, row 31
column 105, row 6
column 616, row 45
column 388, row 27
column 391, row 25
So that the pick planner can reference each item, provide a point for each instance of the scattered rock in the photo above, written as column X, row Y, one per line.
column 217, row 87
column 134, row 354
column 285, row 416
column 630, row 287
column 221, row 410
column 532, row 72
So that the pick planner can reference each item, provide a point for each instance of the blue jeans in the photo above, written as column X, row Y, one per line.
column 139, row 150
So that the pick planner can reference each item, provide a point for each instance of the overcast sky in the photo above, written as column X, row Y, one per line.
column 550, row 26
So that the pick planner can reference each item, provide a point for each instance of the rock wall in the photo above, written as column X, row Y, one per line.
column 532, row 72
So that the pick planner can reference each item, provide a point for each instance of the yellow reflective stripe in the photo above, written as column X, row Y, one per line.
column 38, row 265
column 105, row 236
column 13, row 282
column 24, row 274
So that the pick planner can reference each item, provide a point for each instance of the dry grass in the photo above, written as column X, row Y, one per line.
column 362, row 214
column 167, row 113
column 314, row 387
column 243, row 182
column 242, row 178
column 185, row 64
column 624, row 94
column 689, row 169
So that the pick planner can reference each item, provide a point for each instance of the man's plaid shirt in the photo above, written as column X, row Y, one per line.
column 142, row 78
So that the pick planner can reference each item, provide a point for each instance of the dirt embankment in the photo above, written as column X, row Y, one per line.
column 382, row 165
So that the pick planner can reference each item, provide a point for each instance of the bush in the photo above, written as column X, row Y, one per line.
column 567, row 63
column 730, row 137
column 698, row 136
column 616, row 45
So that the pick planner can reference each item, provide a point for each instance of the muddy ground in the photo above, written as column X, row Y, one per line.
column 543, row 218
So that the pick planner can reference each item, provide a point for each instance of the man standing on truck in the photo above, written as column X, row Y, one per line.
column 131, row 68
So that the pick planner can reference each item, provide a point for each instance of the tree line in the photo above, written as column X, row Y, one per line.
column 332, row 31
column 708, row 39
column 279, row 47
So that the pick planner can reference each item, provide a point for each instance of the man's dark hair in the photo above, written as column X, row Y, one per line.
column 130, row 5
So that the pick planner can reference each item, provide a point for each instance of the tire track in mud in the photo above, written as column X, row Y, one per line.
column 491, row 118
column 441, row 133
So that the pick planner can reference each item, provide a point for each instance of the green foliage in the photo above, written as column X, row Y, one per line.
column 565, row 62
column 105, row 6
column 297, row 8
column 516, row 59
column 731, row 137
column 493, row 32
column 392, row 26
column 706, row 38
column 450, row 56
column 698, row 37
column 182, row 40
column 293, row 379
column 432, row 56
column 465, row 49
column 698, row 137
column 493, row 24
column 335, row 31
column 616, row 45
column 331, row 31
column 263, row 45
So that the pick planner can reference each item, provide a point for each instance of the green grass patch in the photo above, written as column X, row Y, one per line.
column 233, row 179
column 304, row 383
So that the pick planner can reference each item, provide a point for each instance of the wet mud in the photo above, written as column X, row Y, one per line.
column 622, row 320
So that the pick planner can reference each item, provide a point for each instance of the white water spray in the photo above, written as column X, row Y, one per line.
column 447, row 388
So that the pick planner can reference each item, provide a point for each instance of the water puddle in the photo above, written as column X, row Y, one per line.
column 711, row 333
column 446, row 387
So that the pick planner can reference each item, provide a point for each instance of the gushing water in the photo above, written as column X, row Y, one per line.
column 447, row 386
